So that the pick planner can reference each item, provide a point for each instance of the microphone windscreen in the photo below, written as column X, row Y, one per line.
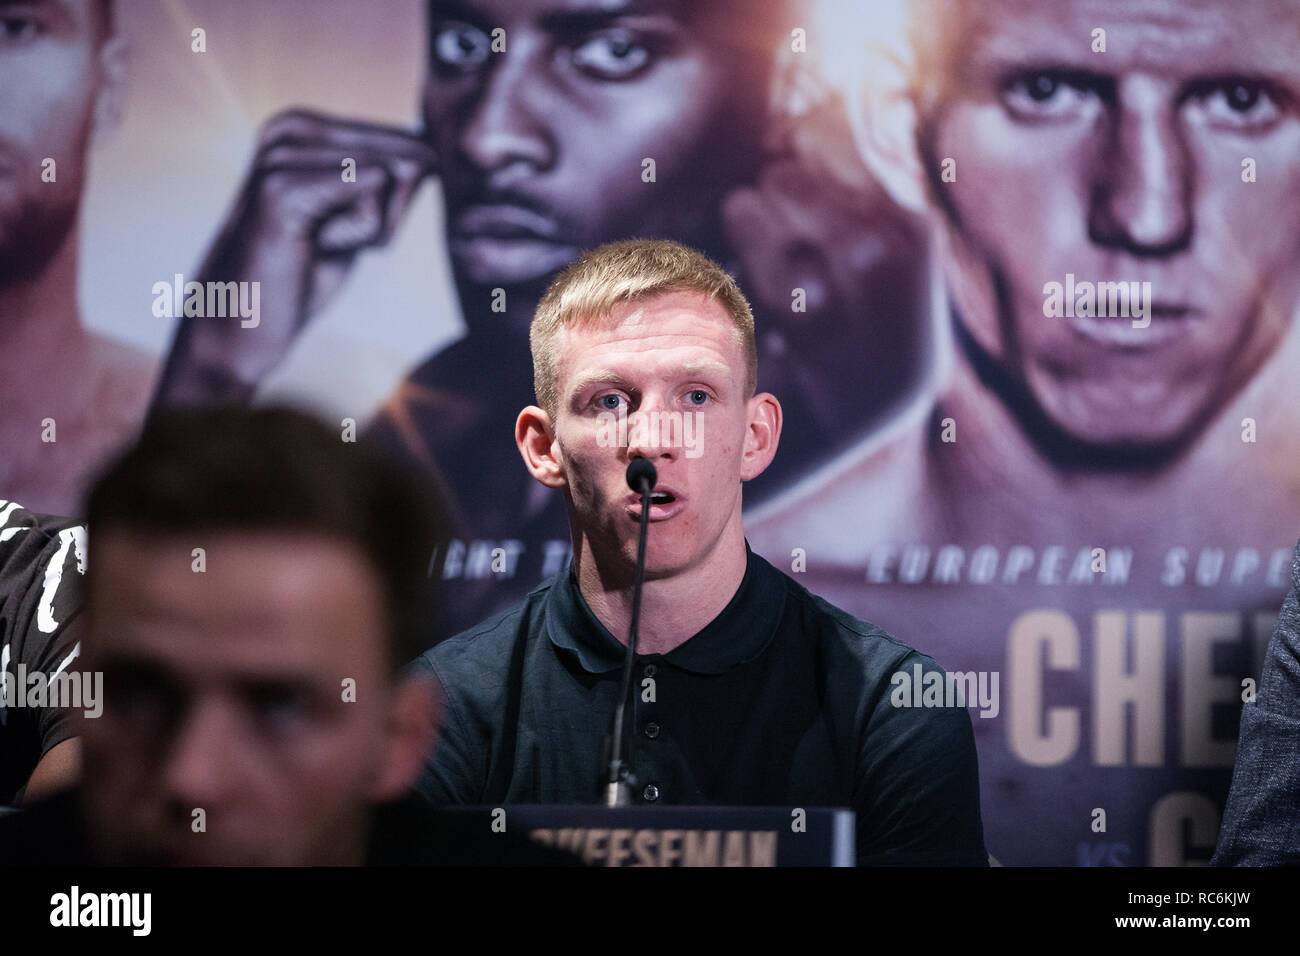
column 639, row 471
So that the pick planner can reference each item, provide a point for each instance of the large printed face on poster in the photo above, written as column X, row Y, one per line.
column 51, row 89
column 1023, row 274
column 1091, row 518
column 560, row 126
column 62, row 81
column 1130, row 174
column 534, row 147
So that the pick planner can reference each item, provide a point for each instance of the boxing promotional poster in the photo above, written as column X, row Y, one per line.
column 1024, row 279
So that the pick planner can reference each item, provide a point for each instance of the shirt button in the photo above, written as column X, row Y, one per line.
column 651, row 792
column 649, row 670
column 652, row 730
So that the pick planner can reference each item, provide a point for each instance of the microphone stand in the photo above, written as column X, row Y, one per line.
column 641, row 477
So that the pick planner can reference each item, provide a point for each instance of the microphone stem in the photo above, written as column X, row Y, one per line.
column 617, row 794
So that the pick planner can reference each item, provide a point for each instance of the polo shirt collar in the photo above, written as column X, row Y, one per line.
column 738, row 634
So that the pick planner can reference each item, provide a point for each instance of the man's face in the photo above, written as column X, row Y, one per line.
column 671, row 359
column 1123, row 166
column 541, row 146
column 224, row 693
column 50, row 79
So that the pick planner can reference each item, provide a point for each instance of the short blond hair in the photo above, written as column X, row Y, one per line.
column 589, row 287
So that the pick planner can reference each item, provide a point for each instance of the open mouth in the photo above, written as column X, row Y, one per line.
column 664, row 504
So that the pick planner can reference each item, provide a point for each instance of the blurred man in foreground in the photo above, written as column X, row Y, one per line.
column 255, row 586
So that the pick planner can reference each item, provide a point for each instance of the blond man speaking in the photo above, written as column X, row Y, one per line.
column 749, row 690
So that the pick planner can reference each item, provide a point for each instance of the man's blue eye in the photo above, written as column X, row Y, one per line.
column 699, row 396
column 610, row 402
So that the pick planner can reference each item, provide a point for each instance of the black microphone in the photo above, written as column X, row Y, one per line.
column 639, row 471
column 641, row 478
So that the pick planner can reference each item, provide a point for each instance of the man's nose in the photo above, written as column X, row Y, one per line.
column 200, row 763
column 1143, row 187
column 503, row 126
column 649, row 432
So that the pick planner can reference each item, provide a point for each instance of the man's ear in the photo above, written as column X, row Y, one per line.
column 535, row 436
column 110, row 101
column 410, row 735
column 883, row 117
column 762, row 434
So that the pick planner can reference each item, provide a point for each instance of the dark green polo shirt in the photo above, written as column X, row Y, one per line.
column 781, row 700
